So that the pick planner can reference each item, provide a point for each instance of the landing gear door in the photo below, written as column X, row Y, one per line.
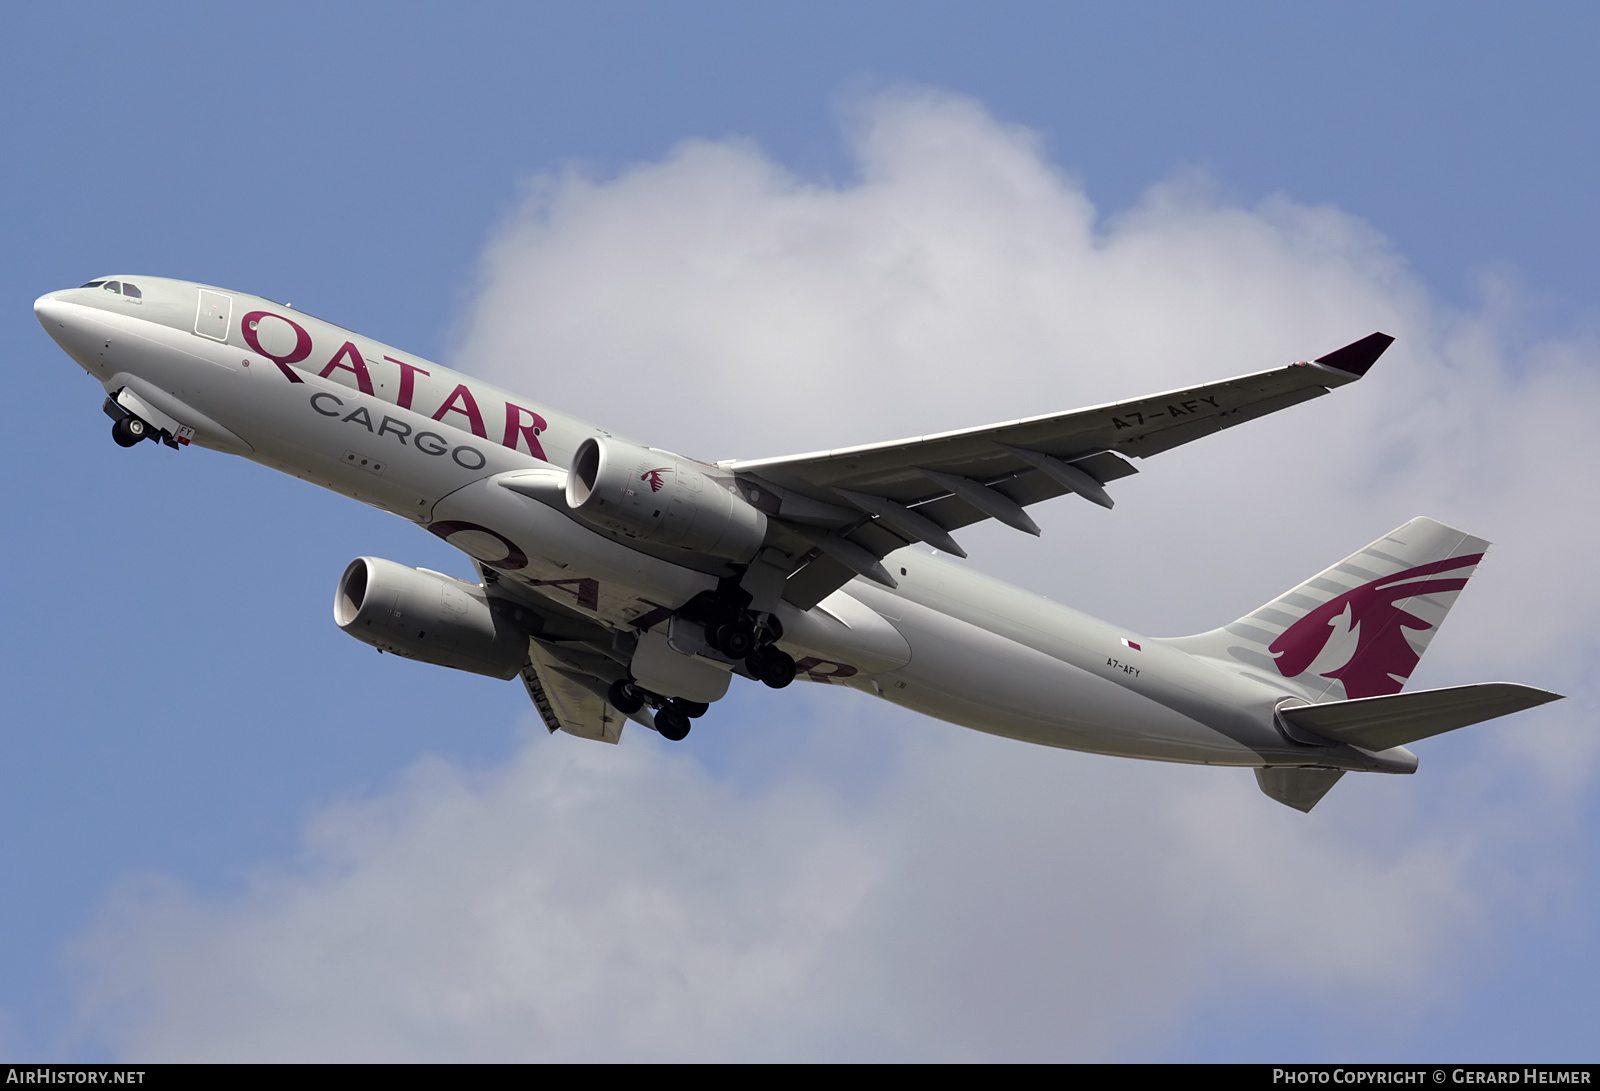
column 211, row 317
column 175, row 431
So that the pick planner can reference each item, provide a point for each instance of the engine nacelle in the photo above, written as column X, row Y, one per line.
column 655, row 496
column 425, row 615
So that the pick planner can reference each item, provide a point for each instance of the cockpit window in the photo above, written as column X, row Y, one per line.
column 113, row 286
column 92, row 284
column 131, row 291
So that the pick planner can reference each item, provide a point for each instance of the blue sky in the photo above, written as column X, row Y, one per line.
column 184, row 726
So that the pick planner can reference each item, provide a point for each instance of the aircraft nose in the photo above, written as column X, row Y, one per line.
column 62, row 320
column 50, row 310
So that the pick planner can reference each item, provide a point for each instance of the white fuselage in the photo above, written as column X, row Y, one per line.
column 254, row 378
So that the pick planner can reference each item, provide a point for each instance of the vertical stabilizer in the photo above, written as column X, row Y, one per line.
column 1359, row 628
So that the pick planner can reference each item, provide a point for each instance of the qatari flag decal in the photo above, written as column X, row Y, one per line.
column 1126, row 643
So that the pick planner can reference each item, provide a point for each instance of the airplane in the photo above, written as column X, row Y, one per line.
column 621, row 582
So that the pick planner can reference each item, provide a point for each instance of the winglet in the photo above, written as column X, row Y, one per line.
column 1357, row 358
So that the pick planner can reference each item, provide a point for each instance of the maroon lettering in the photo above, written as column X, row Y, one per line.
column 653, row 617
column 585, row 590
column 514, row 558
column 302, row 342
column 811, row 667
column 356, row 365
column 468, row 408
column 408, row 381
column 516, row 428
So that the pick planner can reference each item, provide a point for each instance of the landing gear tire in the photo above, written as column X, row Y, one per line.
column 672, row 724
column 692, row 709
column 775, row 668
column 625, row 697
column 736, row 639
column 128, row 431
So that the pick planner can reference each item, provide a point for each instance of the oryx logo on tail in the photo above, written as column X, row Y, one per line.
column 1383, row 657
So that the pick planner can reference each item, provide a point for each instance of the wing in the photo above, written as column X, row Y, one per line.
column 569, row 699
column 568, row 668
column 838, row 513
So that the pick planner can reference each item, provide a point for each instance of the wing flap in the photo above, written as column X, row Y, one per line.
column 816, row 580
column 566, row 701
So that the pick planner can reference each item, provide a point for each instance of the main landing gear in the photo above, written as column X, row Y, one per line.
column 736, row 639
column 625, row 697
column 672, row 713
column 739, row 633
column 747, row 638
column 732, row 631
column 768, row 664
column 673, row 723
column 773, row 666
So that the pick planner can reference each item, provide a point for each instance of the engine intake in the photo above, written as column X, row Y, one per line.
column 420, row 614
column 656, row 496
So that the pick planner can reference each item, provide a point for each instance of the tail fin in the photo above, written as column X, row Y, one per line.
column 1359, row 628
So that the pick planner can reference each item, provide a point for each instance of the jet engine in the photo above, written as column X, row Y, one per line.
column 420, row 614
column 655, row 496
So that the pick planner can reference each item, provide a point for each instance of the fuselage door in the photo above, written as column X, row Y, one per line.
column 211, row 319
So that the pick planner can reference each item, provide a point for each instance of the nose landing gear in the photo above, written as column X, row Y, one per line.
column 129, row 431
column 133, row 419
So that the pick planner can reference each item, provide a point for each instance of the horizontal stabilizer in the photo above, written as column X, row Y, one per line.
column 1300, row 787
column 1378, row 723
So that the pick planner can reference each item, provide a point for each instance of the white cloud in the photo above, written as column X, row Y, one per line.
column 979, row 898
column 596, row 903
